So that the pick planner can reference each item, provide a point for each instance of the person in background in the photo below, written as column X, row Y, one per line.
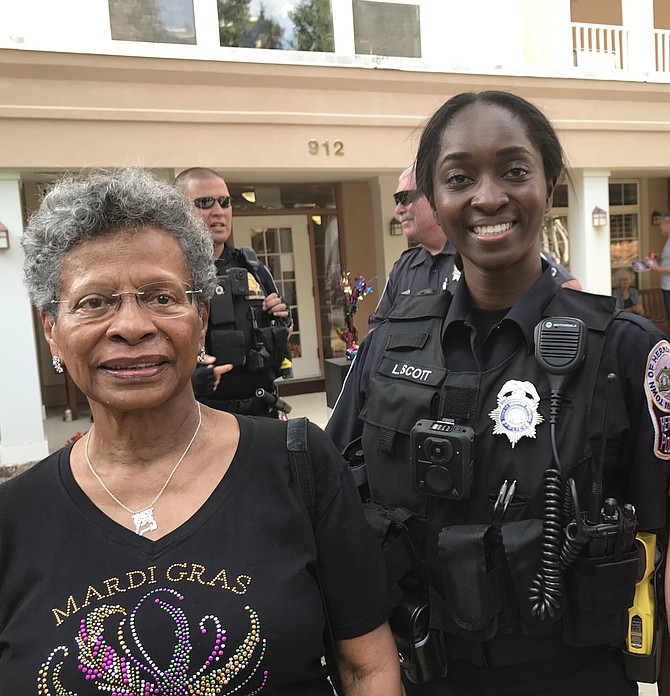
column 475, row 437
column 627, row 297
column 427, row 266
column 430, row 265
column 169, row 551
column 248, row 323
column 663, row 268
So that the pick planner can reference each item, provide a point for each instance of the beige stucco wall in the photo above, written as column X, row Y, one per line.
column 110, row 110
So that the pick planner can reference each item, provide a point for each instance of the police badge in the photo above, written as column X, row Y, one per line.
column 516, row 414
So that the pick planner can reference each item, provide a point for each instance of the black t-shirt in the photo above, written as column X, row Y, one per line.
column 226, row 603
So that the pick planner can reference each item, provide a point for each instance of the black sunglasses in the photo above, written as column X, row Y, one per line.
column 405, row 197
column 206, row 202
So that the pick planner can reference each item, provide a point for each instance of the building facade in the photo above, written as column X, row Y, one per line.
column 310, row 117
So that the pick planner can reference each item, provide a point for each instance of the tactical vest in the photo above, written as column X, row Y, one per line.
column 240, row 332
column 410, row 382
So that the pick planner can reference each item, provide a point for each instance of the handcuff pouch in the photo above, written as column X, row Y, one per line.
column 420, row 648
column 465, row 584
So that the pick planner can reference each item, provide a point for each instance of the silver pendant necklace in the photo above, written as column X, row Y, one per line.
column 143, row 519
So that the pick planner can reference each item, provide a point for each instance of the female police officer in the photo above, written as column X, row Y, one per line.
column 512, row 422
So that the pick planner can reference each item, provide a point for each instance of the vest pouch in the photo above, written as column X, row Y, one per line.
column 420, row 648
column 228, row 346
column 275, row 340
column 600, row 591
column 465, row 583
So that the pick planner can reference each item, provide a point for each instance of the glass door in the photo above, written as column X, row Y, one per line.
column 282, row 243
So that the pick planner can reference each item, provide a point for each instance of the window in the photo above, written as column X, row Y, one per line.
column 156, row 21
column 555, row 237
column 624, row 223
column 275, row 24
column 387, row 29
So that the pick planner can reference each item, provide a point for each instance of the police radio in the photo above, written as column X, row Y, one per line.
column 442, row 456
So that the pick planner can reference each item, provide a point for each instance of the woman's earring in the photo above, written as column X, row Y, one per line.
column 55, row 361
column 201, row 355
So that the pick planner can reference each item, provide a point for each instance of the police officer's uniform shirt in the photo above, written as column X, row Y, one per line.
column 416, row 270
column 640, row 427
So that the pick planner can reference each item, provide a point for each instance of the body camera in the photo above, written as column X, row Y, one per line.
column 442, row 455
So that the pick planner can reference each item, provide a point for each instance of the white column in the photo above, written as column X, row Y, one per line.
column 22, row 436
column 343, row 27
column 590, row 246
column 547, row 33
column 206, row 15
column 638, row 20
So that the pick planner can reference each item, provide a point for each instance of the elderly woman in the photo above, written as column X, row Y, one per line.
column 169, row 551
column 627, row 297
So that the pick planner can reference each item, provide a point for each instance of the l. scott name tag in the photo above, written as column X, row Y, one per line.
column 411, row 371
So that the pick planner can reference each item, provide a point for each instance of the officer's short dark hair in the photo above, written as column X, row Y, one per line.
column 537, row 127
column 195, row 174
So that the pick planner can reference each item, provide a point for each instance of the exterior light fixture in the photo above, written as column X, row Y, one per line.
column 395, row 227
column 599, row 217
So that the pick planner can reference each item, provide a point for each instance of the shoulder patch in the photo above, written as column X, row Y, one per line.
column 657, row 389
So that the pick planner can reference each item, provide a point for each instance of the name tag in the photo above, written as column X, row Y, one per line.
column 411, row 371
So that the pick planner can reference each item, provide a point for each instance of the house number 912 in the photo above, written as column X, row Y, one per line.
column 336, row 147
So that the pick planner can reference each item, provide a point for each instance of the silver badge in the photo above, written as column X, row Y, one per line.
column 516, row 414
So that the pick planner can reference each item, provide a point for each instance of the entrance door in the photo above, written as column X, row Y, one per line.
column 282, row 244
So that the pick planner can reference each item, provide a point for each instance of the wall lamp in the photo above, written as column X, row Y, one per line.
column 395, row 227
column 656, row 218
column 4, row 237
column 599, row 217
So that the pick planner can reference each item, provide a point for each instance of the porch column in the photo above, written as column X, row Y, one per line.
column 22, row 436
column 638, row 21
column 589, row 245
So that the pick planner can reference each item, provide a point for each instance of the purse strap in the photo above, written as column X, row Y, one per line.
column 303, row 473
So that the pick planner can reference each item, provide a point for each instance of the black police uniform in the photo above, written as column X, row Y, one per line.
column 416, row 269
column 240, row 332
column 437, row 357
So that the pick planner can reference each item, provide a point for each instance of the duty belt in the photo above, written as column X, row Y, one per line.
column 505, row 650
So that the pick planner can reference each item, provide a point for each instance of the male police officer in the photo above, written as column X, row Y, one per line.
column 427, row 266
column 248, row 323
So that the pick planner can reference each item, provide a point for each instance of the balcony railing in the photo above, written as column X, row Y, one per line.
column 599, row 46
column 662, row 37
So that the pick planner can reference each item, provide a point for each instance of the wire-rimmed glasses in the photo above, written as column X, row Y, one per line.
column 164, row 299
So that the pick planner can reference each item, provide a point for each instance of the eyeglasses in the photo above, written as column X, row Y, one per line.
column 206, row 202
column 163, row 299
column 405, row 197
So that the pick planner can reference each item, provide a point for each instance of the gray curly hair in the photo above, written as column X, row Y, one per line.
column 78, row 209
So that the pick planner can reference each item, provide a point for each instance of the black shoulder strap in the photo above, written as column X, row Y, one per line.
column 301, row 466
column 301, row 463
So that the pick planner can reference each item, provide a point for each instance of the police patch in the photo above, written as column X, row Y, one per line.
column 657, row 389
column 516, row 414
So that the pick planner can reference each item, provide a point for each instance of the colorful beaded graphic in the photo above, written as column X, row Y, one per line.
column 120, row 665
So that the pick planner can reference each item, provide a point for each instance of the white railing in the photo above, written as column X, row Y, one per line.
column 662, row 37
column 599, row 46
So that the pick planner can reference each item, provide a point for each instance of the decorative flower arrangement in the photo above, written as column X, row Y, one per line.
column 351, row 294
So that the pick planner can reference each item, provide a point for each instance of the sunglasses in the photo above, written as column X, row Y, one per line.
column 405, row 197
column 206, row 202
